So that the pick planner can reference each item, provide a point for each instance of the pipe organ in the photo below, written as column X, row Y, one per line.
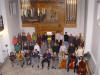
column 71, row 11
column 48, row 11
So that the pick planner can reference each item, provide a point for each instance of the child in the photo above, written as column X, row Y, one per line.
column 35, row 58
column 24, row 39
column 12, row 58
column 27, row 57
column 20, row 58
column 29, row 38
column 17, row 48
column 15, row 41
column 34, row 38
column 54, row 61
column 31, row 47
column 46, row 58
column 25, row 46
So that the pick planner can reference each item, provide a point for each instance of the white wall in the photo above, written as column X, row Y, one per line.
column 80, row 19
column 11, row 27
column 96, row 39
column 28, row 29
column 91, row 18
column 12, row 20
column 92, row 43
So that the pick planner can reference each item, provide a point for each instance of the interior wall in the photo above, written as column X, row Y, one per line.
column 90, row 24
column 11, row 27
column 96, row 39
column 12, row 19
column 92, row 43
column 80, row 20
column 28, row 29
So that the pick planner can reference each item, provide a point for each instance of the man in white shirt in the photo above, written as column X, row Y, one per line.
column 61, row 38
column 37, row 47
column 57, row 36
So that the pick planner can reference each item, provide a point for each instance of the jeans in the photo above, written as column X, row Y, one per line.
column 66, row 44
column 21, row 62
column 45, row 60
column 28, row 61
column 52, row 43
column 35, row 60
column 55, row 63
column 13, row 63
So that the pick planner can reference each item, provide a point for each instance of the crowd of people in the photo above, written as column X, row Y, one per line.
column 30, row 49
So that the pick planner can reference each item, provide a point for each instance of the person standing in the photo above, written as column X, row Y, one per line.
column 43, row 47
column 53, row 40
column 57, row 36
column 19, row 37
column 66, row 37
column 34, row 38
column 15, row 41
column 44, row 38
column 29, row 38
column 39, row 39
column 61, row 39
column 24, row 39
column 71, row 39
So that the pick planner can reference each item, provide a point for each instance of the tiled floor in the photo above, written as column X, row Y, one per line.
column 28, row 70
